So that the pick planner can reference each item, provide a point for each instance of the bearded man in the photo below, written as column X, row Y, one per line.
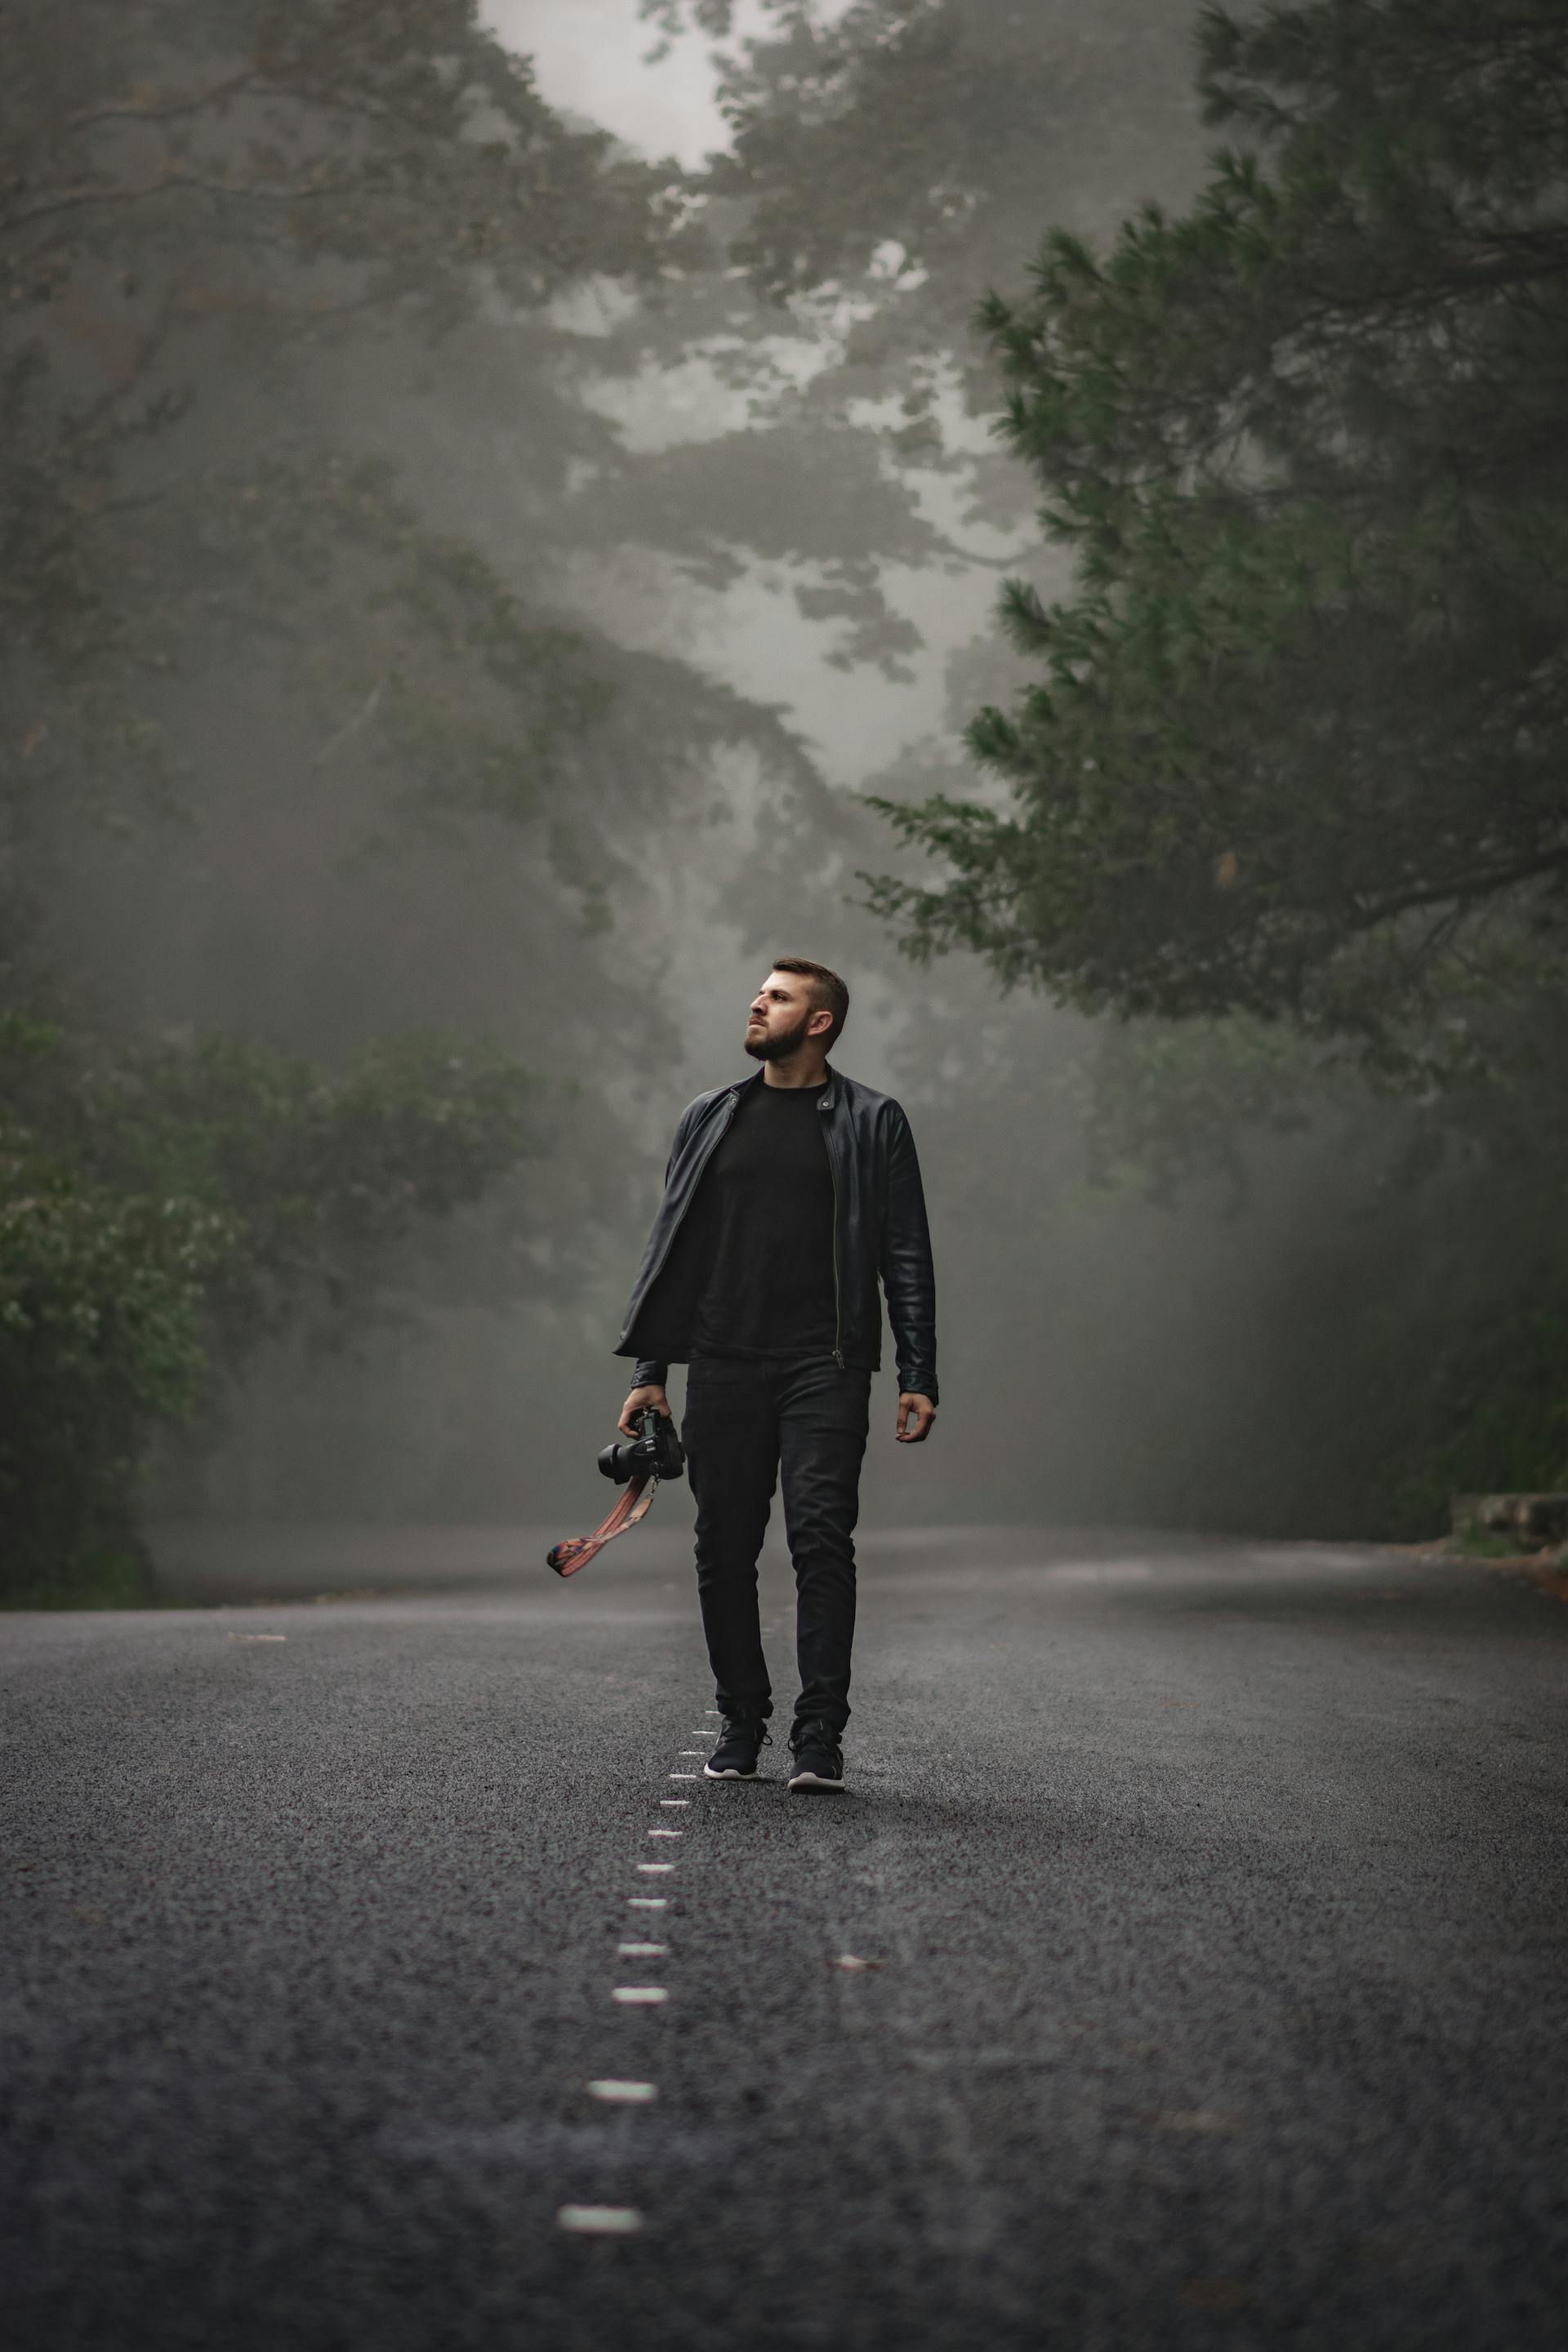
column 787, row 1196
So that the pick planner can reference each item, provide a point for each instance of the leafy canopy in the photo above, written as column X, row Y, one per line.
column 1301, row 744
column 238, row 648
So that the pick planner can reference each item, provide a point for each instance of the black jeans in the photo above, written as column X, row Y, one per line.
column 745, row 1424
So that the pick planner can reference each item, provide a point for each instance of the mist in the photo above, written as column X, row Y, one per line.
column 518, row 517
column 744, row 534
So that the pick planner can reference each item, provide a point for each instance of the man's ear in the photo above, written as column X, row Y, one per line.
column 814, row 1026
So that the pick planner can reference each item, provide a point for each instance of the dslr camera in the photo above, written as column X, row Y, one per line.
column 656, row 1451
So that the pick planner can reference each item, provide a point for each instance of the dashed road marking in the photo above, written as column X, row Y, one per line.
column 600, row 2221
column 625, row 2221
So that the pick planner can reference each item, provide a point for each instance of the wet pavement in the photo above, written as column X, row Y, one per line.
column 1183, row 1967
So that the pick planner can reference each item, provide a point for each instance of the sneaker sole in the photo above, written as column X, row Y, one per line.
column 709, row 1774
column 812, row 1784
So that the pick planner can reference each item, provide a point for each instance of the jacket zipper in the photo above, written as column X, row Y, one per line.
column 838, row 1299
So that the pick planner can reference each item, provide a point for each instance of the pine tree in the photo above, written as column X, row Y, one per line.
column 1300, row 745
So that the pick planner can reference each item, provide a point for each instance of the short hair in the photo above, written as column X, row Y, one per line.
column 828, row 990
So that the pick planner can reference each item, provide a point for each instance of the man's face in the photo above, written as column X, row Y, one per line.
column 781, row 1017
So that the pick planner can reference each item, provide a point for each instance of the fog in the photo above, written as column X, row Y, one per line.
column 756, row 540
column 1051, row 1398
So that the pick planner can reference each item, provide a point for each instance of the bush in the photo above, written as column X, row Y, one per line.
column 163, row 1208
column 100, row 1302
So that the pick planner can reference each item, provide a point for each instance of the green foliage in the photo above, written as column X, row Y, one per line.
column 100, row 1295
column 939, row 128
column 217, row 201
column 884, row 159
column 313, row 326
column 1163, row 1103
column 163, row 1208
column 252, row 682
column 1285, row 799
column 1300, row 745
column 1495, row 1399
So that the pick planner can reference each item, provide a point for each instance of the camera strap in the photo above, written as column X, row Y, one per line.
column 576, row 1552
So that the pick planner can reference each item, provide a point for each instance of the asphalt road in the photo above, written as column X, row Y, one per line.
column 1211, row 1898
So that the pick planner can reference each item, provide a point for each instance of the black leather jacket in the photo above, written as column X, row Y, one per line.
column 879, row 1229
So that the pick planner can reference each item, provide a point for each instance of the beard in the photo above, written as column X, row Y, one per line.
column 781, row 1044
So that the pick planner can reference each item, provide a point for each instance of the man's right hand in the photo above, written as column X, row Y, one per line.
column 639, row 1401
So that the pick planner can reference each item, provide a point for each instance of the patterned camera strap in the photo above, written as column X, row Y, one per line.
column 576, row 1552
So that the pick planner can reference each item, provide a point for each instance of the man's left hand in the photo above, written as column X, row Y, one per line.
column 917, row 1418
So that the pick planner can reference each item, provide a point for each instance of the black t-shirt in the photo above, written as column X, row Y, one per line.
column 762, row 1231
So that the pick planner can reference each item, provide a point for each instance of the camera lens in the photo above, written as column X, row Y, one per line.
column 615, row 1461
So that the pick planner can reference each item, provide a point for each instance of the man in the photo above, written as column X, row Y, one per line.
column 786, row 1195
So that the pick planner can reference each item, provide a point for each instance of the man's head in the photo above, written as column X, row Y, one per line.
column 799, row 1002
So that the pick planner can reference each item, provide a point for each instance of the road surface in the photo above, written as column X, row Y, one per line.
column 1209, row 1903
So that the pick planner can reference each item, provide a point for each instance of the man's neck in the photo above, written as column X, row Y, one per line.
column 802, row 1069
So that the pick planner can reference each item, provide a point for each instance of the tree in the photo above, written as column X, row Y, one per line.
column 1299, row 752
column 884, row 160
column 1246, row 426
column 197, row 207
column 161, row 1205
column 252, row 686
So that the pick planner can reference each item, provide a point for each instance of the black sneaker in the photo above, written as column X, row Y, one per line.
column 735, row 1757
column 819, row 1760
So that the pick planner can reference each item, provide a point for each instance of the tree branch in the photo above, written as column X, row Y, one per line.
column 129, row 111
column 77, row 199
column 1480, row 886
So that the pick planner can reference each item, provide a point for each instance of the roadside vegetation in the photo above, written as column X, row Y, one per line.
column 355, row 809
column 266, row 710
column 1280, row 798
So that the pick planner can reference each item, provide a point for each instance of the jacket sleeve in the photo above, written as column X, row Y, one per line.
column 908, row 1279
column 652, row 1370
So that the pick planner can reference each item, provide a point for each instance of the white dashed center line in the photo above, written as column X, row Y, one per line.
column 600, row 2221
column 624, row 2221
